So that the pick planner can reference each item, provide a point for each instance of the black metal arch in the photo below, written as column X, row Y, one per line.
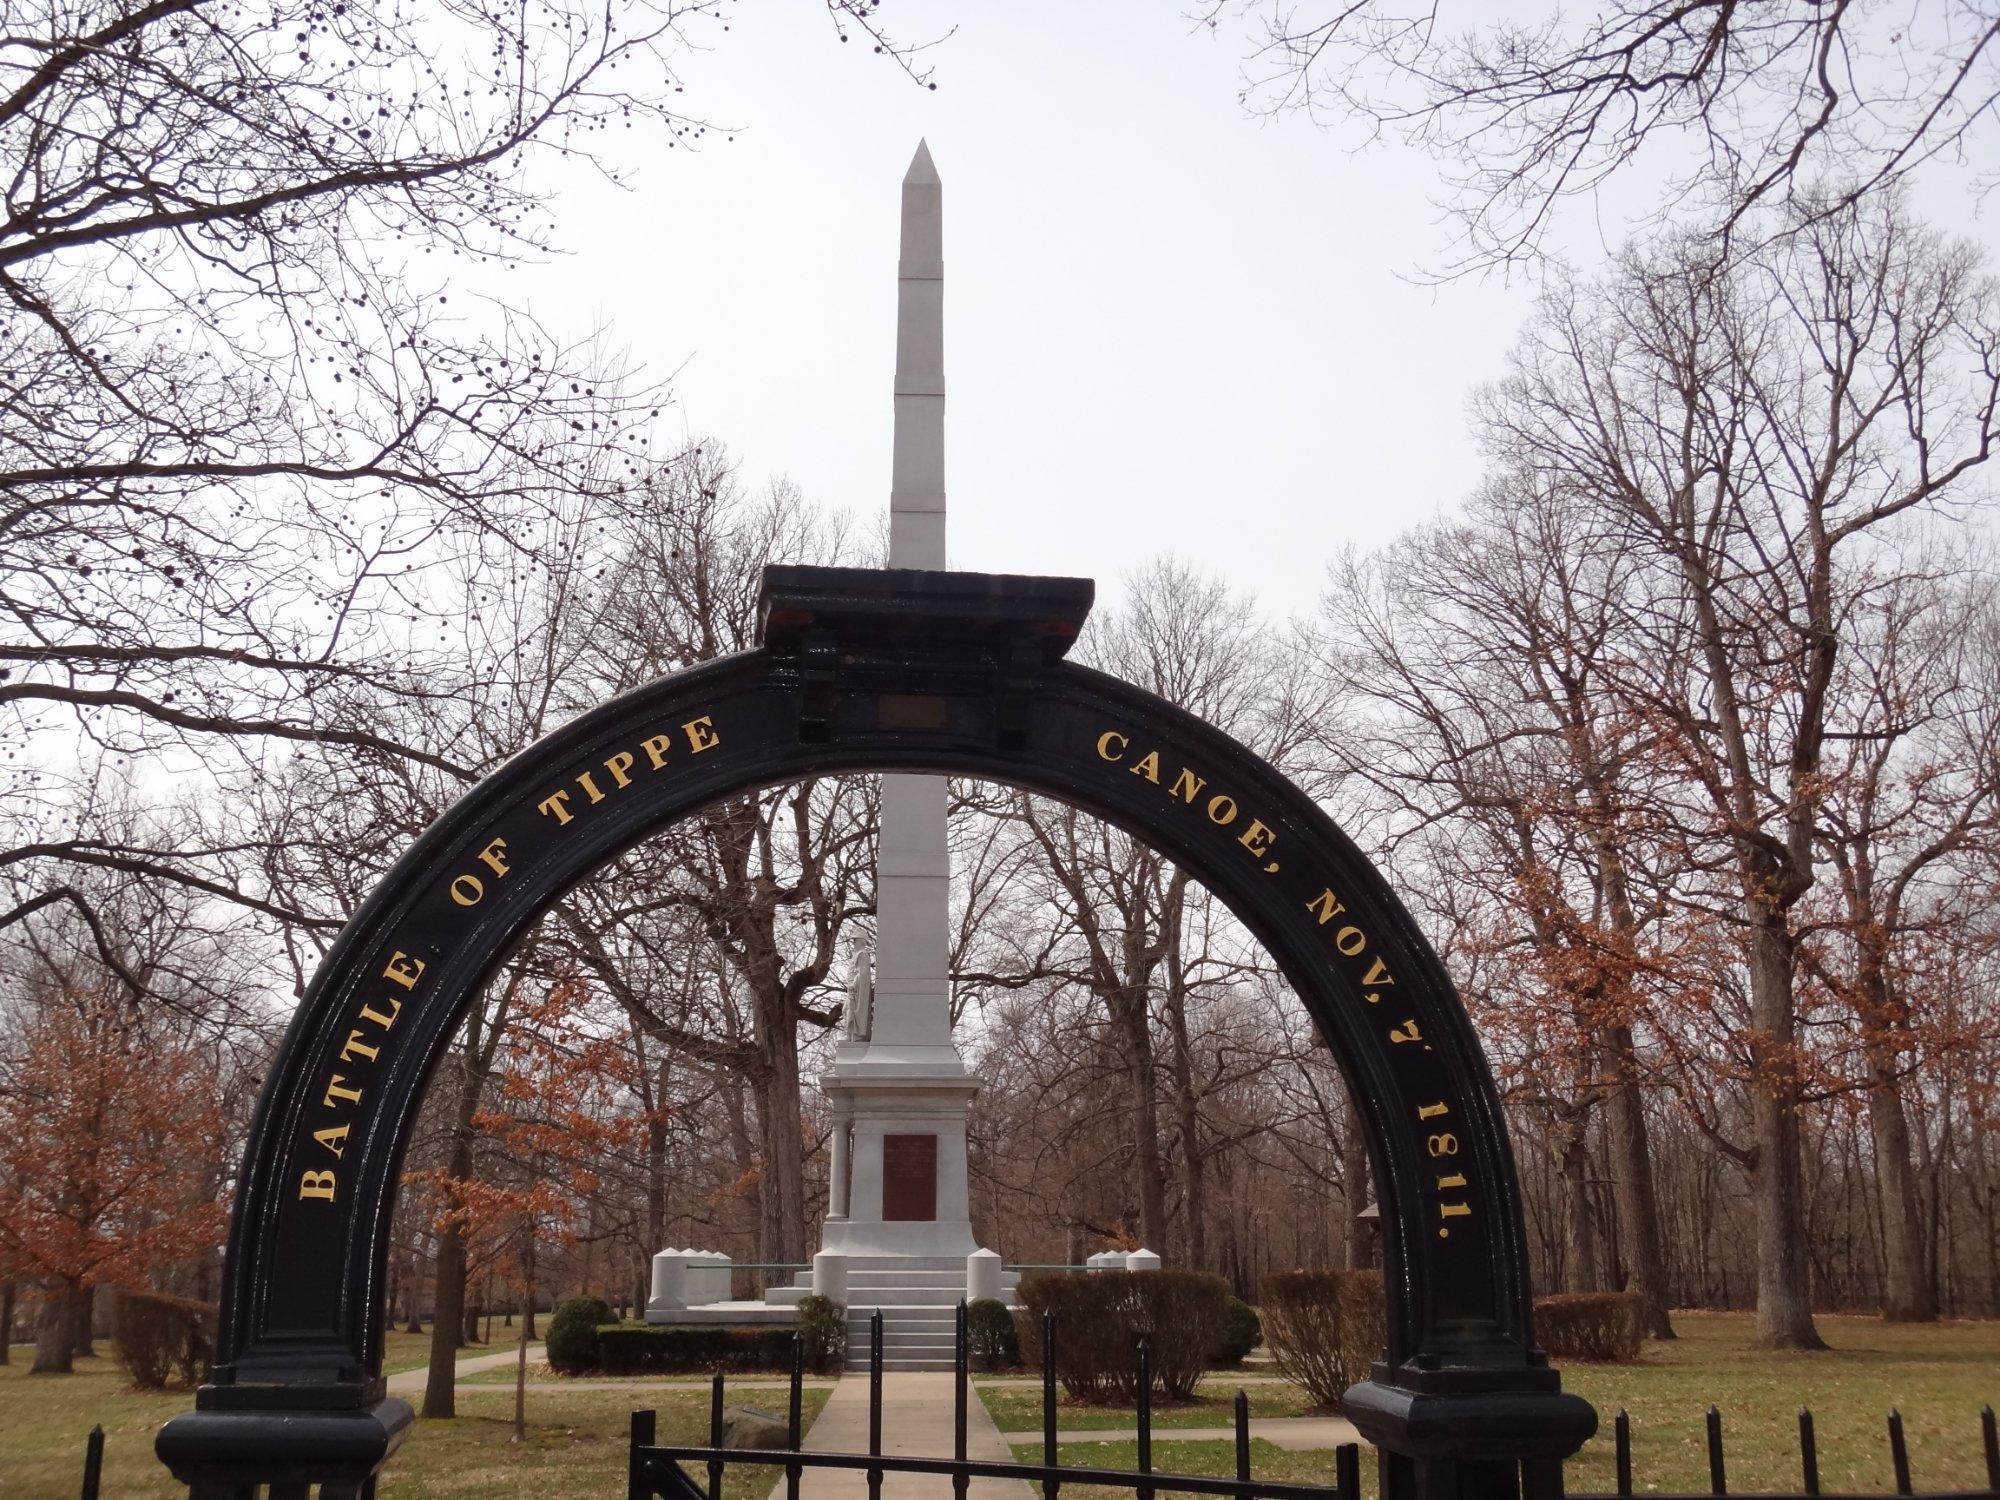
column 868, row 670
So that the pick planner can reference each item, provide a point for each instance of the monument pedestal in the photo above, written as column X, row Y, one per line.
column 900, row 1184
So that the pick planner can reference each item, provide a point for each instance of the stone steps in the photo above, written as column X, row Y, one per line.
column 857, row 1277
column 870, row 1297
column 916, row 1335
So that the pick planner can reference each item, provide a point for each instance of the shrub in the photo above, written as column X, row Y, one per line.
column 646, row 1349
column 161, row 1338
column 1324, row 1328
column 1237, row 1334
column 1364, row 1321
column 1606, row 1327
column 823, row 1332
column 571, row 1342
column 1099, row 1316
column 989, row 1335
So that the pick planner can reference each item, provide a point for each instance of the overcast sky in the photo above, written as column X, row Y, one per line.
column 1168, row 325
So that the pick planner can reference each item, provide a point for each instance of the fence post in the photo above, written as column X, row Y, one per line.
column 1899, row 1452
column 1989, row 1430
column 1621, row 1433
column 960, row 1381
column 1808, row 1451
column 1347, row 1470
column 875, row 1402
column 1718, row 1477
column 1243, row 1443
column 1051, row 1486
column 794, row 1427
column 715, row 1436
column 1143, row 1368
column 93, row 1461
column 643, row 1429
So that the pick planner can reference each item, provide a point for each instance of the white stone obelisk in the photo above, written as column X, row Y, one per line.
column 898, row 1086
column 912, row 868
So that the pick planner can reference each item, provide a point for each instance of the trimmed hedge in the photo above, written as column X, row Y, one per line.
column 1100, row 1315
column 1237, row 1334
column 646, row 1349
column 823, row 1329
column 1603, row 1327
column 160, row 1338
column 1324, row 1328
column 571, row 1342
column 989, row 1335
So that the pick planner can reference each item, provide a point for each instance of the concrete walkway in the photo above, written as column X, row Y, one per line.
column 916, row 1423
column 761, row 1386
column 1294, row 1434
column 412, row 1382
column 1221, row 1379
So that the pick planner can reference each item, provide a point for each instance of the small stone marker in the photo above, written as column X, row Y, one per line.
column 751, row 1427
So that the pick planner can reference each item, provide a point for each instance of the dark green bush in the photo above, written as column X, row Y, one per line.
column 1324, row 1328
column 1606, row 1327
column 161, row 1338
column 571, row 1342
column 1099, row 1317
column 989, row 1336
column 644, row 1349
column 823, row 1331
column 1237, row 1334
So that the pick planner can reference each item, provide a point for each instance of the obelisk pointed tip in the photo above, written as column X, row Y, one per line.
column 923, row 171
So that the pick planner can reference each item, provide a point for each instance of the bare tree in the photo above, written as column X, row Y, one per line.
column 1744, row 107
column 253, row 412
column 1754, row 425
column 1473, row 657
column 1913, row 758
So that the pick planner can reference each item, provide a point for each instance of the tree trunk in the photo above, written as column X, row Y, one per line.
column 1129, row 1017
column 53, row 1335
column 6, row 1323
column 447, row 1323
column 82, row 1308
column 1784, row 1294
column 1637, row 1196
column 1634, row 1188
column 1359, row 1247
column 448, row 1304
column 1581, row 1232
column 521, row 1374
column 781, row 1189
column 1908, row 1295
column 656, row 1163
column 1187, row 1111
column 413, row 1289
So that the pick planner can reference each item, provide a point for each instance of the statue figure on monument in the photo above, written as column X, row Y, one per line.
column 860, row 991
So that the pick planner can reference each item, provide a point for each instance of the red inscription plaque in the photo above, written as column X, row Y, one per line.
column 909, row 1177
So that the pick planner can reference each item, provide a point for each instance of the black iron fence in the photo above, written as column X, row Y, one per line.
column 658, row 1471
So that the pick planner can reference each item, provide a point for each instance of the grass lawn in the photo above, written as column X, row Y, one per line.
column 1938, row 1376
column 1018, row 1408
column 539, row 1374
column 1267, row 1462
column 575, row 1448
column 408, row 1351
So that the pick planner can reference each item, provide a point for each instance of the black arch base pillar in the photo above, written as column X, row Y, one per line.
column 243, row 1453
column 1469, row 1436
